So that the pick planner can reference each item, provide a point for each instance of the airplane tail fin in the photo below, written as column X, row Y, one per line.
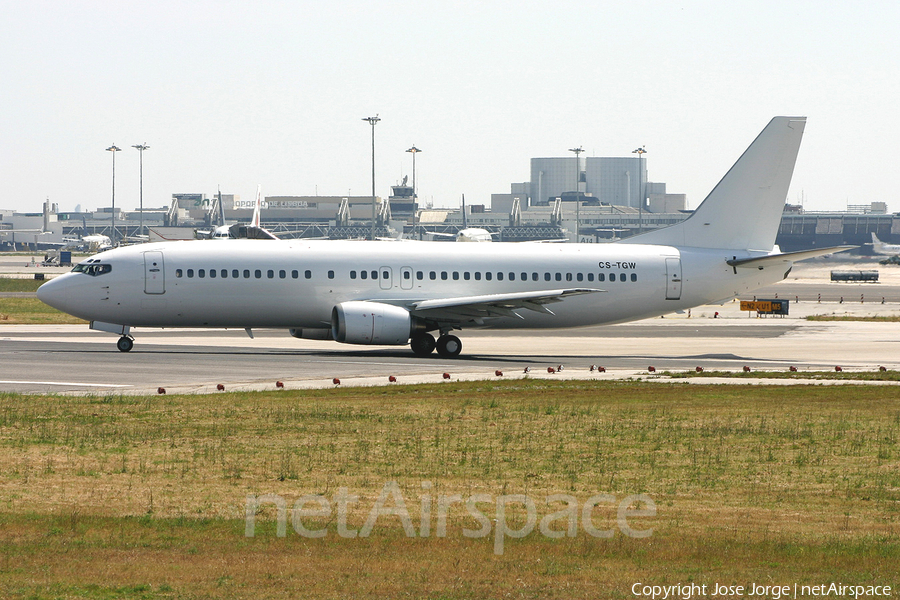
column 744, row 210
column 876, row 243
column 257, row 207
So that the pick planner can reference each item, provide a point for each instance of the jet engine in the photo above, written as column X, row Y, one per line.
column 307, row 333
column 370, row 323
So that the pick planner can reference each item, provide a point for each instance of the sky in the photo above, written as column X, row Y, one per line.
column 231, row 94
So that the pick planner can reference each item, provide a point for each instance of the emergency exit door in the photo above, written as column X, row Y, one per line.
column 673, row 278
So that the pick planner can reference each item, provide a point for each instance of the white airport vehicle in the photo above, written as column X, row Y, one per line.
column 879, row 247
column 374, row 293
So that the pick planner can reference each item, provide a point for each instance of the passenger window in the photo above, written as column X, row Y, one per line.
column 224, row 273
column 374, row 274
column 612, row 277
column 330, row 274
column 282, row 274
column 352, row 274
column 590, row 276
column 443, row 275
column 568, row 277
column 308, row 274
column 623, row 277
column 477, row 275
column 466, row 275
column 201, row 273
column 258, row 273
column 246, row 273
column 420, row 275
column 512, row 276
column 634, row 276
column 270, row 274
column 455, row 275
column 190, row 272
column 235, row 274
column 534, row 276
column 488, row 275
column 547, row 277
column 432, row 275
column 500, row 276
column 559, row 276
column 177, row 272
column 601, row 277
column 212, row 273
column 363, row 274
column 406, row 274
column 295, row 274
column 385, row 275
column 580, row 277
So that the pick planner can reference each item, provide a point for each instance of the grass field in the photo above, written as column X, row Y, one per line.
column 31, row 311
column 870, row 319
column 9, row 284
column 131, row 497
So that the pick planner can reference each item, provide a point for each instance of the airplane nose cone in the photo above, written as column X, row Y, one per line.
column 52, row 293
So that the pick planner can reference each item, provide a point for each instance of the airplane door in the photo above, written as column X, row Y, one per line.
column 386, row 280
column 154, row 273
column 406, row 278
column 673, row 278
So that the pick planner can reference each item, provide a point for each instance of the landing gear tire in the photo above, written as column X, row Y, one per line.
column 125, row 344
column 449, row 346
column 422, row 344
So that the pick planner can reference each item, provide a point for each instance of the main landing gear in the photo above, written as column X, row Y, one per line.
column 423, row 344
column 125, row 343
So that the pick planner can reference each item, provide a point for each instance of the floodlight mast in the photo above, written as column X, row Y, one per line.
column 640, row 152
column 577, row 152
column 113, row 149
column 372, row 121
column 140, row 148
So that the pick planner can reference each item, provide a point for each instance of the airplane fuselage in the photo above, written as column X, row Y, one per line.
column 296, row 284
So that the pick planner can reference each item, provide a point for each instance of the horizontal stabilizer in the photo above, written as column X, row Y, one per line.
column 784, row 258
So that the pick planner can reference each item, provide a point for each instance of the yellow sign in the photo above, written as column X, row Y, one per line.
column 763, row 307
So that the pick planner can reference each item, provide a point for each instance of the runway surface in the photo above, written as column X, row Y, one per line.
column 71, row 358
column 57, row 359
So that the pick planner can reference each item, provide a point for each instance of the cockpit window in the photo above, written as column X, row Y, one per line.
column 92, row 269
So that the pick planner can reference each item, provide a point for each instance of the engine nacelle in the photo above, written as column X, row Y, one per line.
column 370, row 323
column 307, row 333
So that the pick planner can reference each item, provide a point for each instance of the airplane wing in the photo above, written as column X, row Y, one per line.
column 469, row 308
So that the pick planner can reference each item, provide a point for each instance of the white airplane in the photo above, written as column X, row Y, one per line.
column 372, row 293
column 468, row 234
column 229, row 232
column 879, row 247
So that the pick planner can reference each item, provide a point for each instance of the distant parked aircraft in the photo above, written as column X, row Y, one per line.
column 879, row 247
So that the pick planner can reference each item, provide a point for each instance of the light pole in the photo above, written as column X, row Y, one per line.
column 640, row 152
column 372, row 121
column 113, row 149
column 140, row 148
column 577, row 152
column 414, row 151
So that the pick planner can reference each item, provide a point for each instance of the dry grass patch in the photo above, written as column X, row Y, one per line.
column 148, row 494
